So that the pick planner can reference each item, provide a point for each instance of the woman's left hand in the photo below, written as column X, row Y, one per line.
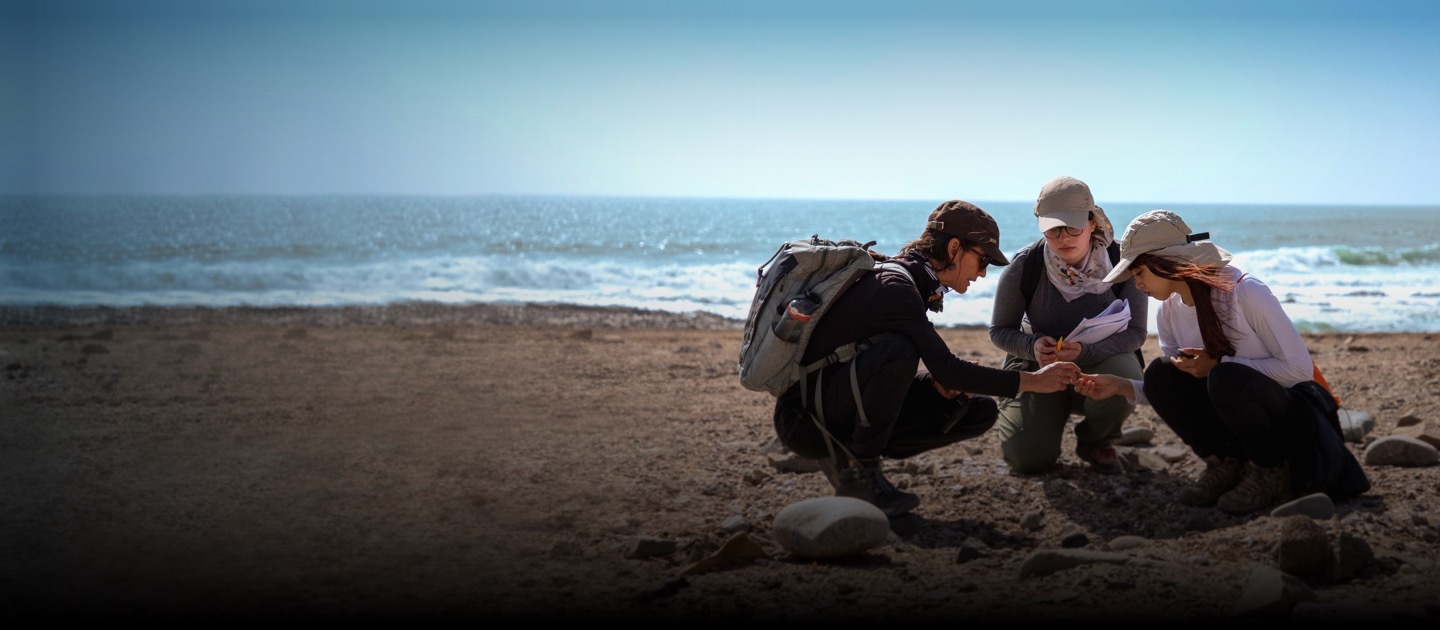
column 1196, row 364
column 1068, row 351
column 945, row 391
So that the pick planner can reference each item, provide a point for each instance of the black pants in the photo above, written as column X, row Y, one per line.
column 906, row 415
column 1234, row 412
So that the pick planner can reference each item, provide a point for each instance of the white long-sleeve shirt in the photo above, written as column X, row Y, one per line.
column 1263, row 335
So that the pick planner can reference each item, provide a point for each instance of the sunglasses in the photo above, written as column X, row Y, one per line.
column 984, row 259
column 1071, row 231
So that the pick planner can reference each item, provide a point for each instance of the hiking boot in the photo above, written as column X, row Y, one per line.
column 864, row 481
column 1260, row 488
column 1104, row 460
column 1221, row 474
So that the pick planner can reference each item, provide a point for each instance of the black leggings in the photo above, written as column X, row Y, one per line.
column 1234, row 412
column 906, row 415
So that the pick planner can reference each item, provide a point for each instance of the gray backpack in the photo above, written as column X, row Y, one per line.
column 803, row 280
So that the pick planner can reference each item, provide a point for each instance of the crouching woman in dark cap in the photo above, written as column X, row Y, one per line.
column 904, row 410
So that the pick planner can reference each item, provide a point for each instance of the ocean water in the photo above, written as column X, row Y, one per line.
column 1336, row 268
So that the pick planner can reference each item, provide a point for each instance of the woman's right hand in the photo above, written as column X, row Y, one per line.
column 1044, row 350
column 1102, row 386
column 1051, row 378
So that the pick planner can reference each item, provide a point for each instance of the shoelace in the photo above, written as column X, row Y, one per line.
column 1215, row 475
column 1252, row 481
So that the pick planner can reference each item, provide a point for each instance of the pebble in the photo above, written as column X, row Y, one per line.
column 1317, row 506
column 1400, row 450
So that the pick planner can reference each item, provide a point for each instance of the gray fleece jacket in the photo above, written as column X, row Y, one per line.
column 1049, row 314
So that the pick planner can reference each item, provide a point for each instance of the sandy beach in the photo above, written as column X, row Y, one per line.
column 477, row 462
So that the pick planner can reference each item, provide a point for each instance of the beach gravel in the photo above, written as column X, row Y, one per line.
column 545, row 462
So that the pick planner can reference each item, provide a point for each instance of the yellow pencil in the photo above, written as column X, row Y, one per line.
column 1059, row 344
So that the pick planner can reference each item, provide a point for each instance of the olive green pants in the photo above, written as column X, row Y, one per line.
column 1032, row 425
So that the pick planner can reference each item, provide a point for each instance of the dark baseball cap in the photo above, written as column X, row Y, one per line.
column 966, row 220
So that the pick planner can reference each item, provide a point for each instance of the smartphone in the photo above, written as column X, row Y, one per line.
column 1183, row 354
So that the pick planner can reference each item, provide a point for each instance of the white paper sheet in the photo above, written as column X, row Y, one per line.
column 1113, row 319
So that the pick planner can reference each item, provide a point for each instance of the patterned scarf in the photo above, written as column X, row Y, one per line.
column 1074, row 282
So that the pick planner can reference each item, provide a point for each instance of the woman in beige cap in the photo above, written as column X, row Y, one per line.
column 1236, row 381
column 1064, row 285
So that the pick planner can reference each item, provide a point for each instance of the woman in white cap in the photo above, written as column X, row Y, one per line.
column 1053, row 285
column 1236, row 381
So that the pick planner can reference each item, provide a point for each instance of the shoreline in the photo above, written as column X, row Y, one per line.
column 394, row 314
column 422, row 313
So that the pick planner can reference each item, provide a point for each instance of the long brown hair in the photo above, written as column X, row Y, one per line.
column 1203, row 282
column 935, row 245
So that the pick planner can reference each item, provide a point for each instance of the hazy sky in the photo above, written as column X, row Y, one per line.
column 1214, row 101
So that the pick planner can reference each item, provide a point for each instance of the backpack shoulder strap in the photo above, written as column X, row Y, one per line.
column 894, row 266
column 1117, row 288
column 1030, row 271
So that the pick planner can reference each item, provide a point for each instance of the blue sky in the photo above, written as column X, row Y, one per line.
column 1175, row 102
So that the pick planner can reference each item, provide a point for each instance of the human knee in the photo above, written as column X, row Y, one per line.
column 1160, row 379
column 1028, row 457
column 1159, row 368
column 1228, row 377
column 1030, row 449
column 982, row 412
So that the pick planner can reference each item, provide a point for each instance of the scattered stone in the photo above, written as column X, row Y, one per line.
column 1355, row 424
column 1408, row 420
column 646, row 547
column 1352, row 555
column 756, row 477
column 1172, row 454
column 790, row 462
column 1318, row 506
column 1400, row 450
column 736, row 551
column 1304, row 549
column 971, row 549
column 1270, row 593
column 1147, row 461
column 912, row 467
column 1075, row 540
column 735, row 524
column 1033, row 520
column 1126, row 543
column 1427, row 432
column 698, row 550
column 1135, row 436
column 1046, row 561
column 830, row 527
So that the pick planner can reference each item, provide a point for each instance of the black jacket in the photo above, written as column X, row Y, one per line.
column 885, row 301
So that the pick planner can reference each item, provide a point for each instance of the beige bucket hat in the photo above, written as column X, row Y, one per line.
column 1164, row 233
column 1066, row 201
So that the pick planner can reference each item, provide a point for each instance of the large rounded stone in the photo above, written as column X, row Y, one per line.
column 830, row 527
